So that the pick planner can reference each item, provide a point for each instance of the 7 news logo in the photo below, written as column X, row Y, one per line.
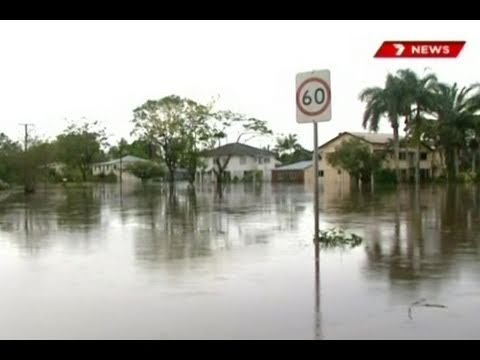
column 420, row 49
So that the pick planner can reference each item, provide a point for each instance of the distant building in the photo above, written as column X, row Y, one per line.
column 329, row 175
column 114, row 166
column 57, row 167
column 244, row 161
column 292, row 173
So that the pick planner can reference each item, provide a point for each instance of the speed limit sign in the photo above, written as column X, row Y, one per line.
column 313, row 96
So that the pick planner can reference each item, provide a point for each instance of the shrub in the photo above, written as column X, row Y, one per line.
column 146, row 170
column 385, row 176
column 4, row 185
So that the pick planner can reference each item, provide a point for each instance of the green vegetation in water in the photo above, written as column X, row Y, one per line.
column 3, row 185
column 339, row 238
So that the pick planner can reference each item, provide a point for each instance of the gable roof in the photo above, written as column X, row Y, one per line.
column 372, row 138
column 237, row 149
column 126, row 159
column 300, row 165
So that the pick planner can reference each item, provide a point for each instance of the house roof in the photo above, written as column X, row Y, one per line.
column 300, row 165
column 125, row 159
column 372, row 138
column 237, row 149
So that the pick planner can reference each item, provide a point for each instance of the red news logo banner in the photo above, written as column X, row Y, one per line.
column 420, row 49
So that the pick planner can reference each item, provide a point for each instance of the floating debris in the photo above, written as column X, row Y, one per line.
column 339, row 238
column 422, row 302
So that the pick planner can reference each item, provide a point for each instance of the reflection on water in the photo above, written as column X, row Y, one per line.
column 147, row 262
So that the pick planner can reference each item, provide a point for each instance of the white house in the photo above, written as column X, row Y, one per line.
column 243, row 161
column 114, row 166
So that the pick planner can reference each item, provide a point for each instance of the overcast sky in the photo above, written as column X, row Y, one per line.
column 56, row 70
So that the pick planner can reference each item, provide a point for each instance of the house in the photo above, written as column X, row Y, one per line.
column 244, row 161
column 292, row 173
column 329, row 175
column 114, row 166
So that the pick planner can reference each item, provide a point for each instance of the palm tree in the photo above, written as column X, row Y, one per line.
column 418, row 100
column 456, row 113
column 474, row 142
column 385, row 101
column 286, row 146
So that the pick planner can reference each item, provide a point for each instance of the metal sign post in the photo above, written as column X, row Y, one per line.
column 313, row 98
column 316, row 205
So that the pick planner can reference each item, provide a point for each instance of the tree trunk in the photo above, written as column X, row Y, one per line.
column 192, row 176
column 84, row 174
column 474, row 162
column 29, row 186
column 171, row 175
column 417, row 164
column 442, row 161
column 449, row 162
column 456, row 162
column 354, row 182
column 396, row 144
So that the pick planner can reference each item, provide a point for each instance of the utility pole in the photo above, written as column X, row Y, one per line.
column 26, row 135
column 27, row 186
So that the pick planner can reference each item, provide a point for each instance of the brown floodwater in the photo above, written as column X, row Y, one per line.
column 92, row 263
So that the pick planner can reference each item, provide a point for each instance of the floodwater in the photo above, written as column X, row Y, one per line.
column 88, row 263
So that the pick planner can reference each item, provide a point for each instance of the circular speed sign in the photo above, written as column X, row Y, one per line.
column 313, row 96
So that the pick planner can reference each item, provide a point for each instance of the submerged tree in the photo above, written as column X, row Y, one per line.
column 80, row 146
column 179, row 126
column 243, row 128
column 419, row 101
column 457, row 112
column 356, row 158
column 388, row 101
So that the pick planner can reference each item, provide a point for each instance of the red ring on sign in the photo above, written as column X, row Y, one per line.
column 327, row 102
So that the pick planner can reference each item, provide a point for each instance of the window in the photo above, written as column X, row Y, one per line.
column 114, row 167
column 402, row 156
column 339, row 172
column 320, row 173
column 259, row 160
column 243, row 160
column 266, row 161
column 423, row 156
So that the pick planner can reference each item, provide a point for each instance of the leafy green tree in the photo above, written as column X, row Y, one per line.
column 355, row 157
column 79, row 146
column 9, row 156
column 198, row 135
column 146, row 170
column 162, row 122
